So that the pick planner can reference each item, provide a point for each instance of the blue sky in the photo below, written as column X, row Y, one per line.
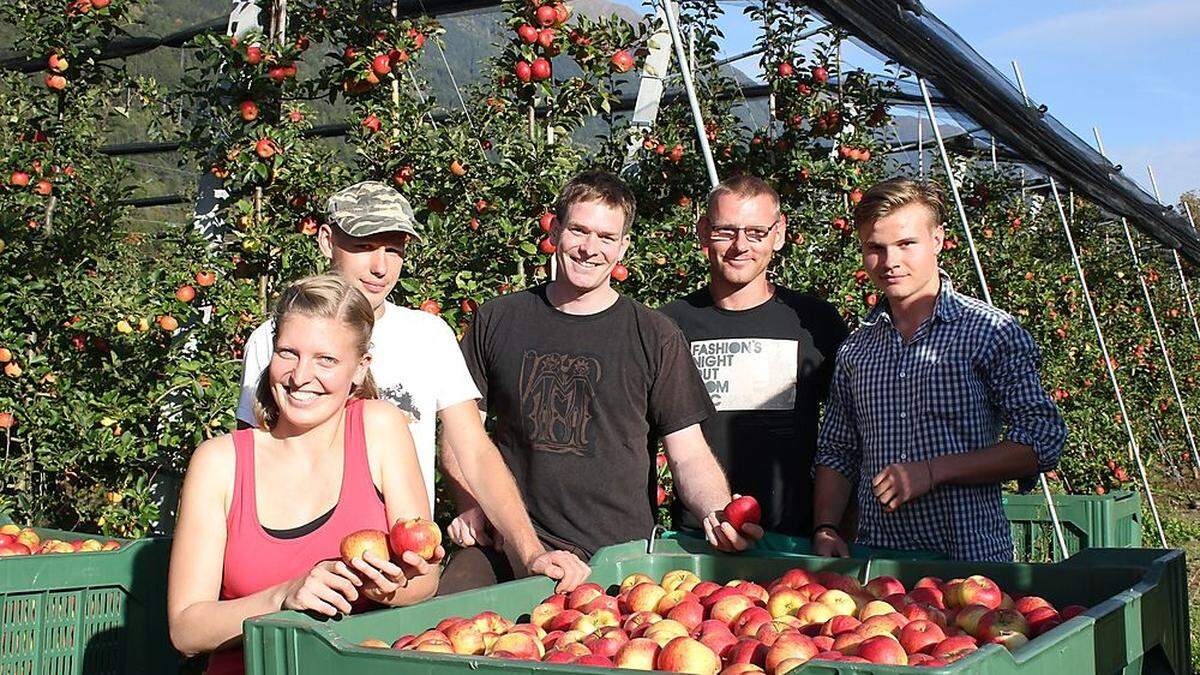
column 1130, row 67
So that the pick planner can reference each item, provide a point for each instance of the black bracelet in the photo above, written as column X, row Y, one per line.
column 824, row 526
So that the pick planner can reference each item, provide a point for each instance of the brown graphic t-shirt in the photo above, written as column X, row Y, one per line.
column 576, row 402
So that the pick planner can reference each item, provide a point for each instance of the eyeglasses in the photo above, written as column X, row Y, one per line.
column 753, row 234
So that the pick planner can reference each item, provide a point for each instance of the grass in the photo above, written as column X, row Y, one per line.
column 1179, row 508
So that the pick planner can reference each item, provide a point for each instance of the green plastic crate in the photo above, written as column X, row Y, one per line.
column 1137, row 621
column 102, row 613
column 1088, row 521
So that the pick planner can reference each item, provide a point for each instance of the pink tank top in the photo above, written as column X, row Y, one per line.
column 255, row 560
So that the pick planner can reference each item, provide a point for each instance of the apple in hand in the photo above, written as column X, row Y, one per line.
column 355, row 544
column 744, row 509
column 417, row 535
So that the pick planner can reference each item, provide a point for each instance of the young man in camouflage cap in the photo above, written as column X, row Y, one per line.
column 417, row 366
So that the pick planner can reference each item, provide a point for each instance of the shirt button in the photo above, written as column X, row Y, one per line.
column 904, row 455
column 903, row 415
column 902, row 374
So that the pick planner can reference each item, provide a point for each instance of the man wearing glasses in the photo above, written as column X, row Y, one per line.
column 764, row 352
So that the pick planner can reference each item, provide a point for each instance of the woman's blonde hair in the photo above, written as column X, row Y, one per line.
column 324, row 296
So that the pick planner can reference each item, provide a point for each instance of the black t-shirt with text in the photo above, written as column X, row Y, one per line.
column 576, row 400
column 767, row 369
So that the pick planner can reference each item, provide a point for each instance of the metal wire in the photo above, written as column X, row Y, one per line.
column 962, row 214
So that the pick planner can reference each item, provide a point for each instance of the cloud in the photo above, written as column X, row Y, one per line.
column 1097, row 28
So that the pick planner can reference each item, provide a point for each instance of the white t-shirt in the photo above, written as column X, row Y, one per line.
column 416, row 363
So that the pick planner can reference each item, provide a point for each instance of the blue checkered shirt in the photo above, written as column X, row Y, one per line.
column 967, row 379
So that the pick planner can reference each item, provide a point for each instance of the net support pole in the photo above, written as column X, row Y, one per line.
column 686, row 72
column 1112, row 375
column 1100, row 341
column 962, row 214
column 1163, row 345
column 1187, row 294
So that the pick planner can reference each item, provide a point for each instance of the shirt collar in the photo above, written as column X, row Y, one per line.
column 947, row 307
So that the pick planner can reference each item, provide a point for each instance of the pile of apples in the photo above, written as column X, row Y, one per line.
column 685, row 624
column 16, row 541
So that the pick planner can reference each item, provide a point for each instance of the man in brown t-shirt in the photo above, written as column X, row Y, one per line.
column 580, row 380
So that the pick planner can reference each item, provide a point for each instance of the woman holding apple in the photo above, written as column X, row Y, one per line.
column 264, row 511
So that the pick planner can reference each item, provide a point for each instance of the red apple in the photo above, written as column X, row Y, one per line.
column 979, row 590
column 1000, row 621
column 954, row 648
column 839, row 624
column 690, row 614
column 541, row 69
column 928, row 595
column 527, row 33
column 595, row 660
column 418, row 535
column 58, row 63
column 1027, row 603
column 622, row 61
column 883, row 586
column 741, row 669
column 635, row 624
column 785, row 600
column 789, row 646
column 637, row 654
column 812, row 591
column 523, row 71
column 920, row 636
column 928, row 582
column 728, row 608
column 1010, row 640
column 703, row 589
column 355, row 544
column 686, row 655
column 13, row 548
column 381, row 65
column 716, row 636
column 795, row 578
column 664, row 631
column 546, row 15
column 749, row 621
column 1071, row 611
column 563, row 620
column 883, row 650
column 1042, row 619
column 744, row 509
column 465, row 638
column 265, row 148
column 746, row 650
column 968, row 618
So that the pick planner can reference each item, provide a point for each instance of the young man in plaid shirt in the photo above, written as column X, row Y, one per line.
column 935, row 399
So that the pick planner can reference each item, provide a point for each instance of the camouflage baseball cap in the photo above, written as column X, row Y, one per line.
column 371, row 207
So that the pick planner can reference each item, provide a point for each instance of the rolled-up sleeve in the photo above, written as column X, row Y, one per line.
column 1014, row 385
column 839, row 445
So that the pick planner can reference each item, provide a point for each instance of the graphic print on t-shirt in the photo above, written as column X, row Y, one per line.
column 403, row 400
column 748, row 373
column 557, row 395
